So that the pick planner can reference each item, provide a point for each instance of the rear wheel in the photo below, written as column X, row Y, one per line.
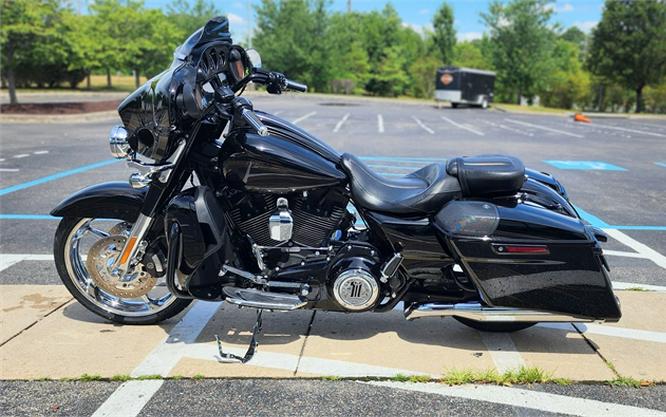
column 484, row 103
column 143, row 300
column 455, row 105
column 496, row 327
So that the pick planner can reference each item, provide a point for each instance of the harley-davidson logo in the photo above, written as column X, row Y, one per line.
column 446, row 78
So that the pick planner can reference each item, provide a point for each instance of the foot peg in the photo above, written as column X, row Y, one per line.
column 251, row 349
column 248, row 297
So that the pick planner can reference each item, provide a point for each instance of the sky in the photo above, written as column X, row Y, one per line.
column 418, row 13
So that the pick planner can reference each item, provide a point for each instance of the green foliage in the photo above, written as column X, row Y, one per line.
column 522, row 375
column 568, row 83
column 190, row 16
column 629, row 44
column 522, row 39
column 471, row 54
column 444, row 36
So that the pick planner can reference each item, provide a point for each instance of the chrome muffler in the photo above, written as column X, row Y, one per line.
column 478, row 312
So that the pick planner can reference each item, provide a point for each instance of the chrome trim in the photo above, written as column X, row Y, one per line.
column 248, row 297
column 478, row 312
column 136, row 239
column 120, row 147
column 78, row 274
column 146, row 171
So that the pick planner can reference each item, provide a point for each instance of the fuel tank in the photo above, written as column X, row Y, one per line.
column 287, row 160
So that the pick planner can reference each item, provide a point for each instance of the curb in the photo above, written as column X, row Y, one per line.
column 62, row 118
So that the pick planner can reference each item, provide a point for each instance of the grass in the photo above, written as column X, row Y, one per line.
column 119, row 83
column 522, row 375
column 627, row 381
column 530, row 109
column 638, row 289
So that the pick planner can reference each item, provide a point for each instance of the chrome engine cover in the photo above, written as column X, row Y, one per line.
column 356, row 289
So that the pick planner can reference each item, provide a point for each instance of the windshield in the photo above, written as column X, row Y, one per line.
column 217, row 29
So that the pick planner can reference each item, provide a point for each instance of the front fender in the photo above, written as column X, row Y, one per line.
column 112, row 200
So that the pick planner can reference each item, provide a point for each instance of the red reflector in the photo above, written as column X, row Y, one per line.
column 525, row 249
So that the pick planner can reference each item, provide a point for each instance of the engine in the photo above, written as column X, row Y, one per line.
column 315, row 215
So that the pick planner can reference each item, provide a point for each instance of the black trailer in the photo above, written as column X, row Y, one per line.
column 464, row 86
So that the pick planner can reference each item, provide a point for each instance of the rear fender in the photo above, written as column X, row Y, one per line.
column 112, row 200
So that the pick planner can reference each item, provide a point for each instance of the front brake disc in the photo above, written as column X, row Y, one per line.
column 99, row 264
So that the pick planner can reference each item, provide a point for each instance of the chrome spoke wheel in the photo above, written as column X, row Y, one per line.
column 80, row 242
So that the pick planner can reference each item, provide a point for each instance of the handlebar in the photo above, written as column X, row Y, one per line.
column 293, row 85
column 253, row 120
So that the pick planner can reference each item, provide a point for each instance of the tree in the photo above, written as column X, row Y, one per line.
column 291, row 36
column 25, row 23
column 190, row 16
column 568, row 83
column 390, row 79
column 629, row 45
column 115, row 33
column 444, row 35
column 522, row 40
column 470, row 54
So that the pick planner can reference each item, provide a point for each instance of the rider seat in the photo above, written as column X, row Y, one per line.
column 426, row 190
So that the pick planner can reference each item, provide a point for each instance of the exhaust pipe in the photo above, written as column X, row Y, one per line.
column 477, row 312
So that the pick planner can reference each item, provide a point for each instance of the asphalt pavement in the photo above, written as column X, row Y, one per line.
column 613, row 169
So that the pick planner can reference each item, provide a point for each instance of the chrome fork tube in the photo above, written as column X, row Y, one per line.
column 132, row 244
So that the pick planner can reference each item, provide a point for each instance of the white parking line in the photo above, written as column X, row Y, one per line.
column 511, row 129
column 380, row 123
column 639, row 247
column 625, row 254
column 516, row 397
column 423, row 126
column 9, row 259
column 9, row 169
column 40, row 152
column 129, row 399
column 300, row 119
column 619, row 285
column 2, row 159
column 502, row 350
column 562, row 132
column 21, row 155
column 340, row 123
column 603, row 330
column 461, row 126
column 641, row 132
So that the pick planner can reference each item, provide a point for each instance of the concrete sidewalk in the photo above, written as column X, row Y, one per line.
column 47, row 335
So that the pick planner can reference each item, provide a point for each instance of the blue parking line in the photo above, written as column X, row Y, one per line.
column 62, row 174
column 661, row 164
column 403, row 167
column 585, row 165
column 402, row 159
column 27, row 217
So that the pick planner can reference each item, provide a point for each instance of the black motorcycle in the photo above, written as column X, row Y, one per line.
column 242, row 206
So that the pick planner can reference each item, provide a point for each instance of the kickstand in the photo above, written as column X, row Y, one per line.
column 251, row 349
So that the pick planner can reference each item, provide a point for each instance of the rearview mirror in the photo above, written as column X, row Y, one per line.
column 254, row 57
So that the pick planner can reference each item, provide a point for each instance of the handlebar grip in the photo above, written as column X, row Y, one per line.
column 253, row 120
column 293, row 85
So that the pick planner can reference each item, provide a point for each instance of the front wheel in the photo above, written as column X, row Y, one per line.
column 142, row 300
column 497, row 326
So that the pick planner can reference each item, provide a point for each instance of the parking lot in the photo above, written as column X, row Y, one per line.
column 614, row 170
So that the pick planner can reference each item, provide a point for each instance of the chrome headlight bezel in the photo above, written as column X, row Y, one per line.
column 120, row 147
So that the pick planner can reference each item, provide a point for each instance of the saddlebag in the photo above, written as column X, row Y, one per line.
column 525, row 256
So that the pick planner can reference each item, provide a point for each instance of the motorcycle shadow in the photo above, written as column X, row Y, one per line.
column 334, row 330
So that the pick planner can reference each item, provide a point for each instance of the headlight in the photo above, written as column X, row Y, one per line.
column 120, row 147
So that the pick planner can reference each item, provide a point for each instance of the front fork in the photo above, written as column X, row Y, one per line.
column 161, row 180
